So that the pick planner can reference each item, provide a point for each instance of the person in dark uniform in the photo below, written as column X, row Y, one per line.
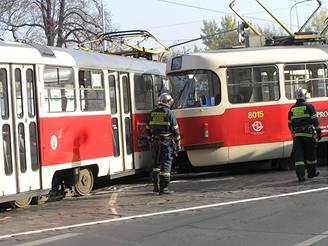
column 165, row 139
column 305, row 129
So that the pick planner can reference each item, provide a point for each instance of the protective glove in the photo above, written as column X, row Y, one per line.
column 178, row 148
column 318, row 134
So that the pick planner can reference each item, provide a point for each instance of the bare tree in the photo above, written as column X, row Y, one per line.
column 53, row 22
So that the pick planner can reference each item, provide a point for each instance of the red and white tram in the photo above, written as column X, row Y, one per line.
column 232, row 104
column 69, row 116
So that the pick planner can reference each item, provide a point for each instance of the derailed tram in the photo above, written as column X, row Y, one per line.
column 69, row 116
column 232, row 105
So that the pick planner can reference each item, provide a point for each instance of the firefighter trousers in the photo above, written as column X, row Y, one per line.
column 305, row 156
column 163, row 156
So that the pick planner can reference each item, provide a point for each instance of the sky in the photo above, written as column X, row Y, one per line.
column 173, row 21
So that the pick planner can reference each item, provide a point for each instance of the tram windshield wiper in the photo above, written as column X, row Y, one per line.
column 183, row 96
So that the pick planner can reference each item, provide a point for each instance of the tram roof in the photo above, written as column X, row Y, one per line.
column 21, row 53
column 253, row 56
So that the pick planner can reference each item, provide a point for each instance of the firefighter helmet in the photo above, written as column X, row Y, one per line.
column 166, row 99
column 301, row 94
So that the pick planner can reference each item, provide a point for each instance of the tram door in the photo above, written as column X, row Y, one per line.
column 22, row 122
column 7, row 169
column 119, row 90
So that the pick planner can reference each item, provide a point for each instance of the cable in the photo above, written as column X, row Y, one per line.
column 202, row 37
column 176, row 24
column 195, row 7
column 211, row 10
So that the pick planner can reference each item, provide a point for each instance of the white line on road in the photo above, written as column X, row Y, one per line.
column 164, row 212
column 49, row 239
column 313, row 240
column 202, row 180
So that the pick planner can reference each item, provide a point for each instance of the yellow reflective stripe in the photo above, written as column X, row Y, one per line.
column 300, row 116
column 313, row 116
column 298, row 110
column 299, row 163
column 161, row 123
column 311, row 162
column 157, row 114
column 165, row 174
column 300, row 134
column 175, row 127
column 156, row 169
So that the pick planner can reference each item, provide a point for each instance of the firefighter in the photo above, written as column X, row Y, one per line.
column 165, row 138
column 305, row 129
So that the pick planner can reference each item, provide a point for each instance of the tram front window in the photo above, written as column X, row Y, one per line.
column 195, row 88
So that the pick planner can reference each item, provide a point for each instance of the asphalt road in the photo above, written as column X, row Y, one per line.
column 256, row 208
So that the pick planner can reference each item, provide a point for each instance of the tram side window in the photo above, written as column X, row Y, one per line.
column 143, row 92
column 92, row 92
column 7, row 153
column 33, row 146
column 4, row 94
column 310, row 76
column 30, row 85
column 19, row 94
column 161, row 84
column 253, row 84
column 115, row 137
column 112, row 94
column 22, row 148
column 60, row 89
column 126, row 94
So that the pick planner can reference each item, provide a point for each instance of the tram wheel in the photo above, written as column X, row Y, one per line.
column 39, row 200
column 85, row 183
column 21, row 202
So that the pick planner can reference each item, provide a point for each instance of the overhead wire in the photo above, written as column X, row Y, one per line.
column 216, row 11
column 212, row 10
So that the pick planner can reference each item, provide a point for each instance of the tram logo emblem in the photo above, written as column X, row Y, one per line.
column 53, row 142
column 257, row 126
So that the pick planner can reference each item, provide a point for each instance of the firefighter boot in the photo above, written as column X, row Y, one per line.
column 312, row 172
column 155, row 180
column 300, row 172
column 165, row 191
column 163, row 188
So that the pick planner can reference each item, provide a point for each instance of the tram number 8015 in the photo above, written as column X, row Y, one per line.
column 255, row 114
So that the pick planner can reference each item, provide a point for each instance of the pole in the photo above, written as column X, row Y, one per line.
column 104, row 25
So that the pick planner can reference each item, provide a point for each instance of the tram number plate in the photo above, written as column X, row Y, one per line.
column 255, row 114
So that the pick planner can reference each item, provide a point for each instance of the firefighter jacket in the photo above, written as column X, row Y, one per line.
column 303, row 120
column 163, row 123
